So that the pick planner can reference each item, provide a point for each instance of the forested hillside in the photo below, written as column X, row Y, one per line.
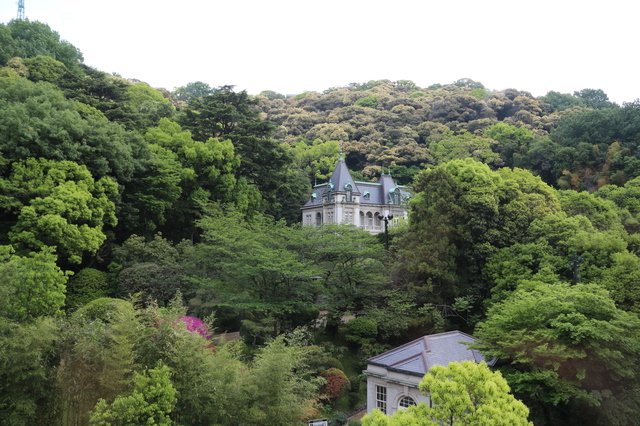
column 135, row 221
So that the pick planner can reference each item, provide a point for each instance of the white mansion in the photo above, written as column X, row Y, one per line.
column 364, row 204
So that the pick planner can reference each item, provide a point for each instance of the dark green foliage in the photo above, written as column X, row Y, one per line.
column 153, row 281
column 38, row 122
column 28, row 358
column 28, row 39
column 562, row 101
column 361, row 331
column 85, row 286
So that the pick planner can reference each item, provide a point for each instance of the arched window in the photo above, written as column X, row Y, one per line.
column 318, row 219
column 369, row 220
column 361, row 219
column 378, row 222
column 406, row 402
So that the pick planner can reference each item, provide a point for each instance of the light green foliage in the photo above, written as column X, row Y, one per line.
column 596, row 250
column 209, row 173
column 27, row 369
column 44, row 68
column 370, row 101
column 627, row 199
column 59, row 205
column 601, row 212
column 557, row 228
column 149, row 103
column 463, row 393
column 192, row 90
column 32, row 285
column 566, row 345
column 150, row 403
column 317, row 158
column 463, row 145
column 622, row 279
column 511, row 265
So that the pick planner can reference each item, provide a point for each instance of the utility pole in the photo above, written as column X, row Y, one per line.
column 20, row 10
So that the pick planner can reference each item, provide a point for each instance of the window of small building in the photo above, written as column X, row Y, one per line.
column 381, row 398
column 406, row 402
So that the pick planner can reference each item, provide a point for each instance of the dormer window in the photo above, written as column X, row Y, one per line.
column 366, row 195
column 394, row 196
column 349, row 188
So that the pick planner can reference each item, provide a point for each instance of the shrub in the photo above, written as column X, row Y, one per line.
column 337, row 384
column 87, row 285
column 361, row 331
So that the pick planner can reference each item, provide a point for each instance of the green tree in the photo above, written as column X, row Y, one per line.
column 33, row 285
column 39, row 122
column 464, row 145
column 150, row 403
column 196, row 89
column 97, row 356
column 513, row 142
column 86, row 285
column 278, row 393
column 463, row 213
column 561, row 101
column 594, row 98
column 462, row 393
column 569, row 349
column 348, row 263
column 28, row 359
column 32, row 38
column 58, row 204
column 251, row 267
column 230, row 115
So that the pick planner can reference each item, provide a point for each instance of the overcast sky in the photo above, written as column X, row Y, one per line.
column 291, row 46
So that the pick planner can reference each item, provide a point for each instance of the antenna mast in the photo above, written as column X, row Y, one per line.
column 21, row 10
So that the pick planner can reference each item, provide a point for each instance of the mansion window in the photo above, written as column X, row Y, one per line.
column 329, row 217
column 348, row 217
column 381, row 398
column 318, row 219
column 307, row 219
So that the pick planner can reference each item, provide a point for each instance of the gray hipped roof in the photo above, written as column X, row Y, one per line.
column 372, row 193
column 418, row 356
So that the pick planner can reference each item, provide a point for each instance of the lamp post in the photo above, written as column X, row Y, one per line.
column 386, row 218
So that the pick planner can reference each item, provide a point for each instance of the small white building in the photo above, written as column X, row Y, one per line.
column 364, row 204
column 393, row 377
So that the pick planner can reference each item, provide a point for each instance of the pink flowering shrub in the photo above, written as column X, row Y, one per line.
column 196, row 325
column 337, row 384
